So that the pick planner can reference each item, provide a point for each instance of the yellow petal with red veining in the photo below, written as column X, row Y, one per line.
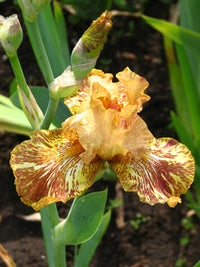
column 48, row 168
column 162, row 174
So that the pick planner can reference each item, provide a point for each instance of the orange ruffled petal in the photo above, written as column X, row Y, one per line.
column 162, row 174
column 48, row 168
column 135, row 87
column 115, row 95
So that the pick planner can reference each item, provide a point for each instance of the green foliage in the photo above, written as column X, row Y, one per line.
column 187, row 223
column 110, row 175
column 13, row 119
column 83, row 220
column 88, row 248
column 185, row 240
column 58, row 58
column 41, row 95
column 182, row 44
column 180, row 263
column 13, row 87
column 167, row 2
column 62, row 31
column 113, row 203
column 140, row 218
column 197, row 264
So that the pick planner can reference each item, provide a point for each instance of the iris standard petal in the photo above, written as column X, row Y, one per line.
column 81, row 100
column 48, row 168
column 115, row 95
column 162, row 174
column 135, row 87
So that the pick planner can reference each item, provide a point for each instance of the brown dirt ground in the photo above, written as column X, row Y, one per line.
column 157, row 241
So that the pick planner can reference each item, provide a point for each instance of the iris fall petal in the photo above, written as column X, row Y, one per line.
column 48, row 168
column 162, row 174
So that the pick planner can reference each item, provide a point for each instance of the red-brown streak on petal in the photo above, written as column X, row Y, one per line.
column 48, row 168
column 165, row 171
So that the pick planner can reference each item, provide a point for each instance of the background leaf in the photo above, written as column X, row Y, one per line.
column 51, row 41
column 13, row 119
column 62, row 31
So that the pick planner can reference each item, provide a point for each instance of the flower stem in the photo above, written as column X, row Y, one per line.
column 50, row 112
column 19, row 75
column 49, row 215
column 55, row 254
column 28, row 100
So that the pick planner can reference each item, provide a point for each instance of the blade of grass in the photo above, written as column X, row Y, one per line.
column 177, row 86
column 51, row 41
column 191, row 91
column 189, row 18
column 16, row 123
column 189, row 14
column 5, row 101
column 191, row 40
column 197, row 183
column 39, row 51
column 182, row 36
column 62, row 31
column 183, row 134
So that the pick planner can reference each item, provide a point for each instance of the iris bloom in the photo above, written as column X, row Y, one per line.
column 57, row 165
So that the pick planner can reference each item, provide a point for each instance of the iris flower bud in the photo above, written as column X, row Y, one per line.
column 11, row 34
column 89, row 46
column 31, row 8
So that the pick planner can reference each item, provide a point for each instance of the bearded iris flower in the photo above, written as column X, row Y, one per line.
column 57, row 165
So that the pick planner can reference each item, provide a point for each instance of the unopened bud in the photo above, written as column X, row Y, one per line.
column 89, row 46
column 31, row 8
column 64, row 85
column 30, row 108
column 11, row 34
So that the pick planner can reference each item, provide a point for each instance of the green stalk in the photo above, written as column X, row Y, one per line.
column 17, row 69
column 56, row 255
column 39, row 50
column 49, row 219
column 49, row 215
column 50, row 112
column 16, row 66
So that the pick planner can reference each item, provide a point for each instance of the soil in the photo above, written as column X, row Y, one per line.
column 157, row 241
